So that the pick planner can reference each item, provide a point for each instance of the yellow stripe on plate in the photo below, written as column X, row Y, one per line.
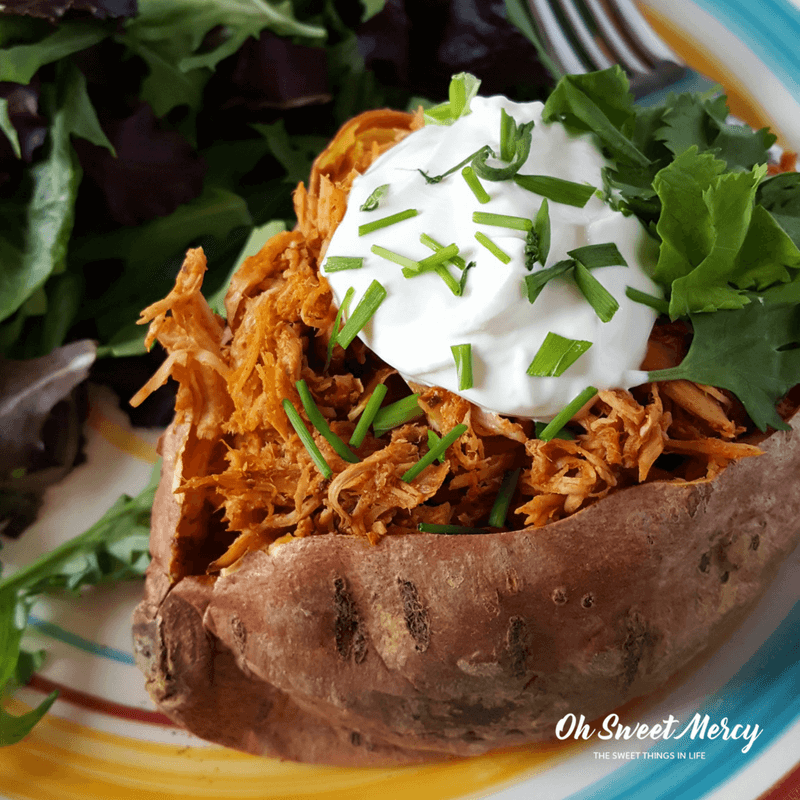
column 63, row 760
column 120, row 437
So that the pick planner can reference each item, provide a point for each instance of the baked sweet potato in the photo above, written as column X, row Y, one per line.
column 377, row 649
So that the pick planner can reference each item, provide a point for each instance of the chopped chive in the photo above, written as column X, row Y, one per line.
column 368, row 415
column 593, row 256
column 541, row 225
column 433, row 453
column 316, row 418
column 338, row 263
column 552, row 428
column 374, row 200
column 432, row 244
column 438, row 178
column 397, row 413
column 657, row 303
column 497, row 516
column 559, row 191
column 384, row 222
column 362, row 313
column 508, row 132
column 535, row 282
column 343, row 308
column 463, row 280
column 481, row 195
column 433, row 440
column 600, row 299
column 390, row 255
column 439, row 257
column 564, row 433
column 452, row 284
column 522, row 147
column 492, row 247
column 556, row 355
column 307, row 439
column 502, row 220
column 449, row 530
column 462, row 353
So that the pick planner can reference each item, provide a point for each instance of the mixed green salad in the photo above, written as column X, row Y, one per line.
column 133, row 131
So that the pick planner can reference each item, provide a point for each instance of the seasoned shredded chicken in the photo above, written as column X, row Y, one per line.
column 253, row 475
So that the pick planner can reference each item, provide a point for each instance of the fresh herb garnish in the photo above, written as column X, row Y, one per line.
column 432, row 244
column 396, row 258
column 433, row 440
column 362, row 313
column 434, row 453
column 316, row 418
column 343, row 309
column 502, row 220
column 481, row 195
column 468, row 160
column 598, row 297
column 463, row 88
column 508, row 135
column 307, row 439
column 384, row 222
column 497, row 516
column 368, row 415
column 449, row 530
column 339, row 263
column 556, row 355
column 593, row 256
column 462, row 354
column 553, row 428
column 522, row 148
column 374, row 200
column 656, row 303
column 556, row 189
column 541, row 227
column 397, row 413
column 496, row 251
column 536, row 281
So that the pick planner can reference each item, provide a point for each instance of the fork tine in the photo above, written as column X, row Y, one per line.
column 598, row 59
column 640, row 32
column 618, row 44
column 558, row 46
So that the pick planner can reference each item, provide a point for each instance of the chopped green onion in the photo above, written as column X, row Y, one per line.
column 435, row 263
column 467, row 160
column 593, row 256
column 433, row 440
column 541, row 225
column 522, row 148
column 535, row 282
column 307, row 439
column 600, row 299
column 559, row 191
column 552, row 428
column 338, row 263
column 374, row 200
column 390, row 255
column 439, row 257
column 497, row 516
column 463, row 280
column 452, row 284
column 556, row 355
column 449, row 530
column 657, row 303
column 368, row 415
column 362, row 313
column 481, row 195
column 343, row 308
column 384, row 222
column 463, row 87
column 432, row 244
column 502, row 220
column 396, row 414
column 508, row 133
column 462, row 353
column 496, row 251
column 564, row 433
column 321, row 424
column 433, row 453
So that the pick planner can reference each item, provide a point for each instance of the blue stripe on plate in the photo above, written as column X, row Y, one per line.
column 763, row 692
column 72, row 639
column 770, row 28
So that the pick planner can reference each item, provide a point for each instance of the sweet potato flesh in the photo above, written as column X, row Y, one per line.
column 245, row 480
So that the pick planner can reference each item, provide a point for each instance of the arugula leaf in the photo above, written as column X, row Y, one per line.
column 115, row 548
column 7, row 127
column 294, row 153
column 745, row 351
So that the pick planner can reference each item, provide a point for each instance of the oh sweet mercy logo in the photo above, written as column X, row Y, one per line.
column 699, row 727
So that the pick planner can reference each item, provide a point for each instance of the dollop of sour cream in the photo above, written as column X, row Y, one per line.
column 420, row 318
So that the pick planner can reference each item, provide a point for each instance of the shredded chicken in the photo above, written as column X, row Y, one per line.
column 257, row 482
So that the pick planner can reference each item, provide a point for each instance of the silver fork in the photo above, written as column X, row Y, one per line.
column 585, row 35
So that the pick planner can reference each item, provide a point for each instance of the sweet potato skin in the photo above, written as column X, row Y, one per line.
column 332, row 650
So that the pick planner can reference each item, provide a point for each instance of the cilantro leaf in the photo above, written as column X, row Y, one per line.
column 752, row 351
